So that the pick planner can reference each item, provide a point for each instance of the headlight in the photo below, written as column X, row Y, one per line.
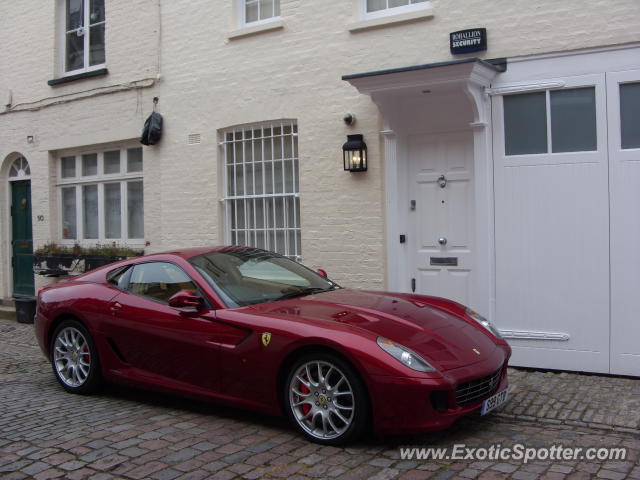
column 483, row 321
column 405, row 356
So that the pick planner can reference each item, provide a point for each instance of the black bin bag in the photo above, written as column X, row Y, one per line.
column 152, row 131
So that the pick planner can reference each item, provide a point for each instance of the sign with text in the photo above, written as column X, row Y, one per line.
column 465, row 41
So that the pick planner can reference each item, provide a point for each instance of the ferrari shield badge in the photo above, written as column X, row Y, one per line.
column 266, row 338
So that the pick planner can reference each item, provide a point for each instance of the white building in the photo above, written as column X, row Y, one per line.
column 511, row 173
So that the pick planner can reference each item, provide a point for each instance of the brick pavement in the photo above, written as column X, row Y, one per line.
column 128, row 434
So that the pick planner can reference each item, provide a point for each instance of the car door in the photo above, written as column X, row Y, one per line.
column 179, row 345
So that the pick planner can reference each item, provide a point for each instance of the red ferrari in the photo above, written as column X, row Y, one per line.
column 254, row 329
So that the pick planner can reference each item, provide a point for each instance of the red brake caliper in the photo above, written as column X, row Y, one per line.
column 303, row 389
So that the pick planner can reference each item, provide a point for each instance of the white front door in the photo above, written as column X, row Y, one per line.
column 440, row 233
column 623, row 102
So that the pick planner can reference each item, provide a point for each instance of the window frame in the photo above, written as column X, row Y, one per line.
column 545, row 85
column 293, row 197
column 78, row 181
column 242, row 7
column 390, row 11
column 62, row 39
column 549, row 124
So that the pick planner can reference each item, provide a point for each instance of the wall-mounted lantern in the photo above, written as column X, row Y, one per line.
column 354, row 153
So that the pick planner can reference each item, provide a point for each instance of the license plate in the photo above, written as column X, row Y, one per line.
column 494, row 402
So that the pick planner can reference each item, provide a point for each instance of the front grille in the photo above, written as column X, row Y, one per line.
column 474, row 390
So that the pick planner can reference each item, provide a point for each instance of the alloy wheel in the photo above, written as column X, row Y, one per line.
column 322, row 399
column 72, row 357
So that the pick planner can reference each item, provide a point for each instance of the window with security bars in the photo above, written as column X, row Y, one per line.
column 261, row 203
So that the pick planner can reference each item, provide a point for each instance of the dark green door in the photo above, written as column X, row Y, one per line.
column 22, row 238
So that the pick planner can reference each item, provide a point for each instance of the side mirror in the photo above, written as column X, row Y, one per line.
column 322, row 272
column 186, row 299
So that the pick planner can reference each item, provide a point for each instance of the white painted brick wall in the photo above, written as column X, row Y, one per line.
column 209, row 82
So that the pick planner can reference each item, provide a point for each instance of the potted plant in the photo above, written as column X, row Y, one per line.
column 56, row 260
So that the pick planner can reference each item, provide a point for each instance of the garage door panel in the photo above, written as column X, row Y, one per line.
column 552, row 254
column 624, row 167
column 552, row 241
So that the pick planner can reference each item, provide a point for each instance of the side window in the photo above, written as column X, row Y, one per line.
column 119, row 277
column 159, row 281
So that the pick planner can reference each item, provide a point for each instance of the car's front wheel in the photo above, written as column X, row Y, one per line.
column 74, row 358
column 325, row 399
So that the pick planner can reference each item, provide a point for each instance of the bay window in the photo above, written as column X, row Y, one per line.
column 101, row 196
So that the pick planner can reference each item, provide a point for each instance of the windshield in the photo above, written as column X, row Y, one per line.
column 250, row 276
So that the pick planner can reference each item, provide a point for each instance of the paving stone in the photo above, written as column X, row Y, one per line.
column 166, row 474
column 469, row 473
column 381, row 462
column 560, row 468
column 34, row 468
column 107, row 463
column 611, row 475
column 81, row 474
column 133, row 451
column 47, row 474
column 72, row 465
column 146, row 470
column 504, row 467
column 180, row 456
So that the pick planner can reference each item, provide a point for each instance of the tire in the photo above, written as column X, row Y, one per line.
column 325, row 399
column 74, row 358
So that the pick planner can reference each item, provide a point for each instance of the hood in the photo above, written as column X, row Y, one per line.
column 443, row 339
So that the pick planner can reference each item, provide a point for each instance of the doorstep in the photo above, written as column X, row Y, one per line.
column 7, row 310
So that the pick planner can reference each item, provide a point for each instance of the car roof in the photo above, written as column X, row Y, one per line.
column 187, row 253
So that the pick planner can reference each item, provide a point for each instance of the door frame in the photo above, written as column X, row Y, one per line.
column 396, row 172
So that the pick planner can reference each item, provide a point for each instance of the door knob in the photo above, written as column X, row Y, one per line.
column 442, row 241
column 442, row 181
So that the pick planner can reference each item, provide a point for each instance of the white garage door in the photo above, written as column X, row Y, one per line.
column 567, row 235
column 623, row 93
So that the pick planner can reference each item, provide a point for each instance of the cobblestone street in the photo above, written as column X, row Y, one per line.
column 124, row 433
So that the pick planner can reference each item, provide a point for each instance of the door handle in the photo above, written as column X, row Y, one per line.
column 115, row 307
column 442, row 241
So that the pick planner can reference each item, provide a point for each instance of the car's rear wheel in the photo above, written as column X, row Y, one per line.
column 325, row 399
column 74, row 358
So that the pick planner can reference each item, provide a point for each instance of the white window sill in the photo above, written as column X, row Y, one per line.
column 383, row 21
column 276, row 24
